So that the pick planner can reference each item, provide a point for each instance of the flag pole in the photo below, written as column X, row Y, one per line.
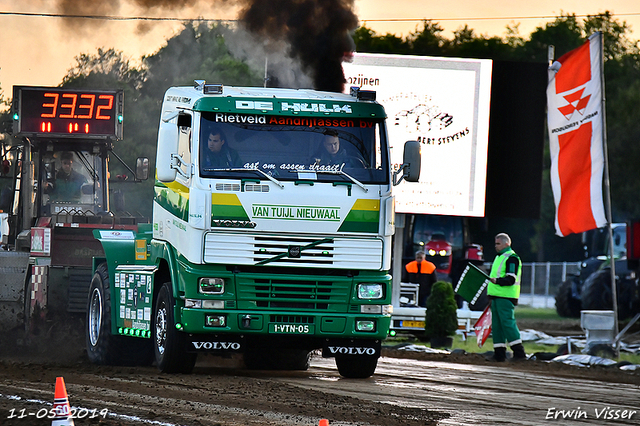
column 607, row 187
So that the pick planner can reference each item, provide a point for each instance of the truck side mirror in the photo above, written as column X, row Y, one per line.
column 142, row 168
column 411, row 162
column 167, row 150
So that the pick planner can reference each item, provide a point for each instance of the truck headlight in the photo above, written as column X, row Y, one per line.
column 211, row 285
column 370, row 291
column 365, row 325
column 214, row 320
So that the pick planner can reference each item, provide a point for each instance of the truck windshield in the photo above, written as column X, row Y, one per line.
column 283, row 147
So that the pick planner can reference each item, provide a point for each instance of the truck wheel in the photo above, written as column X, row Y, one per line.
column 103, row 347
column 298, row 359
column 356, row 367
column 567, row 306
column 169, row 344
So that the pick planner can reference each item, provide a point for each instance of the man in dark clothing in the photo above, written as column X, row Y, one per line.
column 218, row 155
column 333, row 154
column 423, row 272
column 68, row 183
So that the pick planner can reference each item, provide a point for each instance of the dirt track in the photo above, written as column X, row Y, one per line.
column 419, row 389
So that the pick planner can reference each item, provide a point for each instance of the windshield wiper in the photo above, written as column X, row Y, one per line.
column 337, row 172
column 271, row 178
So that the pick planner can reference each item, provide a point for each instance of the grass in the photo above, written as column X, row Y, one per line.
column 527, row 312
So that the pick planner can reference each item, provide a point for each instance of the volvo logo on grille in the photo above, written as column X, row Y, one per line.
column 294, row 252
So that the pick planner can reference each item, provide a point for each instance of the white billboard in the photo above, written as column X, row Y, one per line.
column 444, row 104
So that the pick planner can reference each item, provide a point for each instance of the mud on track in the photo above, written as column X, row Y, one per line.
column 210, row 396
column 221, row 392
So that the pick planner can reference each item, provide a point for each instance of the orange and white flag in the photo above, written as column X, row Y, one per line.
column 483, row 326
column 576, row 122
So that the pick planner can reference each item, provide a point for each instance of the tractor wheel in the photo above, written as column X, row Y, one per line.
column 169, row 344
column 103, row 347
column 596, row 291
column 567, row 306
column 627, row 298
column 597, row 294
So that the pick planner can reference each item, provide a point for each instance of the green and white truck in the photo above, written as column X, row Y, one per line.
column 271, row 235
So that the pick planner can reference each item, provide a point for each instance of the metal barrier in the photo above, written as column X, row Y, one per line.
column 540, row 281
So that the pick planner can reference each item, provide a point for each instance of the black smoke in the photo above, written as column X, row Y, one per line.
column 316, row 32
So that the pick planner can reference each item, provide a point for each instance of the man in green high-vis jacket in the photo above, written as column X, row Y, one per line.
column 503, row 292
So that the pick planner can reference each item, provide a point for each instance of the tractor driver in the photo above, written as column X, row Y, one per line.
column 68, row 183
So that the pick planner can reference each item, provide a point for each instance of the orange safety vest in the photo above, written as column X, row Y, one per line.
column 426, row 267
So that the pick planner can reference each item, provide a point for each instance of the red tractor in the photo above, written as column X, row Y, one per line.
column 446, row 243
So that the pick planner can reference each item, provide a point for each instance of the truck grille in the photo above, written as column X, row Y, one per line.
column 294, row 293
column 310, row 252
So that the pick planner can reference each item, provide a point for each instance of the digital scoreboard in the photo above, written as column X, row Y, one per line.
column 67, row 113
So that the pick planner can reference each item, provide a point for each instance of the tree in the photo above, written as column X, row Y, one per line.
column 4, row 103
column 198, row 52
column 429, row 41
column 616, row 40
column 565, row 33
column 366, row 40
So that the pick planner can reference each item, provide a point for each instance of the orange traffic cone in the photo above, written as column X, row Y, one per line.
column 61, row 408
column 323, row 422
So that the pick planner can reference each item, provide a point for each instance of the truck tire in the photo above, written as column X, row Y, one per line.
column 356, row 367
column 169, row 344
column 103, row 347
column 567, row 306
column 597, row 294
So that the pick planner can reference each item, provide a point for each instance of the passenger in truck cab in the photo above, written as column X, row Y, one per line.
column 67, row 184
column 217, row 154
column 331, row 153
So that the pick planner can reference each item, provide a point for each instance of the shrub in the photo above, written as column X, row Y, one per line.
column 441, row 319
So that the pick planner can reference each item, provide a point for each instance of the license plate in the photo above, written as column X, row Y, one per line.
column 291, row 328
column 413, row 324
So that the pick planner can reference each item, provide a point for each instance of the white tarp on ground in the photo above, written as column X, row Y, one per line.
column 583, row 360
column 542, row 338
